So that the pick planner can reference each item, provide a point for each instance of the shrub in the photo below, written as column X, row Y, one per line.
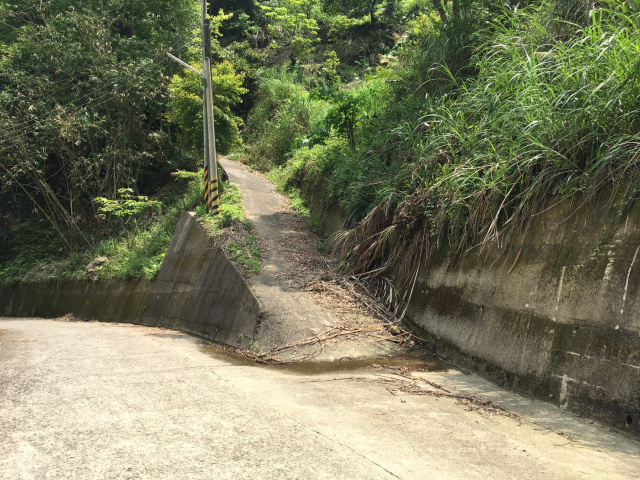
column 545, row 116
column 282, row 113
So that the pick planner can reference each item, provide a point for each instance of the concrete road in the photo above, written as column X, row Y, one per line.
column 92, row 400
column 290, row 316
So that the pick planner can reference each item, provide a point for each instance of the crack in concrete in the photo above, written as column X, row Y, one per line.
column 332, row 440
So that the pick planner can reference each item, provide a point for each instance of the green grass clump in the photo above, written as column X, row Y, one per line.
column 246, row 252
column 230, row 211
column 552, row 110
column 244, row 249
column 486, row 118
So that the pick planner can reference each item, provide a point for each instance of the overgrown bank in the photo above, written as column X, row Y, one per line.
column 94, row 121
column 490, row 157
column 146, row 231
column 434, row 123
column 478, row 118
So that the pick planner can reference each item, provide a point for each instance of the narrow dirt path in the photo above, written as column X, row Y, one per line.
column 293, row 313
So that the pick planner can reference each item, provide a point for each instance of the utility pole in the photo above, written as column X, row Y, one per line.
column 210, row 161
column 211, row 199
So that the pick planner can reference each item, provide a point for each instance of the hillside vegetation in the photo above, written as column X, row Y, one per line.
column 450, row 124
column 431, row 123
column 96, row 124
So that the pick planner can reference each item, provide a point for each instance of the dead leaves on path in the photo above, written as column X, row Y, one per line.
column 315, row 273
column 400, row 381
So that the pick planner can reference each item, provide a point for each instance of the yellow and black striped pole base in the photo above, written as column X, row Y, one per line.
column 211, row 197
column 214, row 197
column 207, row 196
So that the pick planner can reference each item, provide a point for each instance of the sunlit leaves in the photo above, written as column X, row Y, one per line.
column 185, row 108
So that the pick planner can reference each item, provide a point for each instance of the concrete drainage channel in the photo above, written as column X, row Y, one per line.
column 197, row 291
column 405, row 363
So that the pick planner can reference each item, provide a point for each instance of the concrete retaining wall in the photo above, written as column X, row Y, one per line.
column 333, row 218
column 110, row 301
column 558, row 317
column 197, row 290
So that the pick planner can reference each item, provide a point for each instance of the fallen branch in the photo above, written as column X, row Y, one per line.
column 322, row 337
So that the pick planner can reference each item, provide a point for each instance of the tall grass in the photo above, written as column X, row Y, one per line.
column 545, row 115
column 489, row 116
column 439, row 51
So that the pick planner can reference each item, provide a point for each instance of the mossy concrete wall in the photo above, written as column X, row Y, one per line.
column 556, row 316
column 332, row 217
column 197, row 291
column 106, row 301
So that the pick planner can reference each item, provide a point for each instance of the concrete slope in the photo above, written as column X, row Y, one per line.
column 288, row 315
column 199, row 291
column 556, row 315
column 85, row 400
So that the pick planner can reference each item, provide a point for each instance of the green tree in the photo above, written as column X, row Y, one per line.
column 290, row 25
column 83, row 103
column 185, row 107
column 343, row 116
column 353, row 8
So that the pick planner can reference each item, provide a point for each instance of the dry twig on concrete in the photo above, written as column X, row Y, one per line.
column 411, row 385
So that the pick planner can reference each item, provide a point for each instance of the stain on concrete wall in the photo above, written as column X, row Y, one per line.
column 556, row 317
column 108, row 301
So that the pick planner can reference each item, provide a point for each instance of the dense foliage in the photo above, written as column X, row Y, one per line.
column 430, row 122
column 477, row 116
column 90, row 105
column 83, row 95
